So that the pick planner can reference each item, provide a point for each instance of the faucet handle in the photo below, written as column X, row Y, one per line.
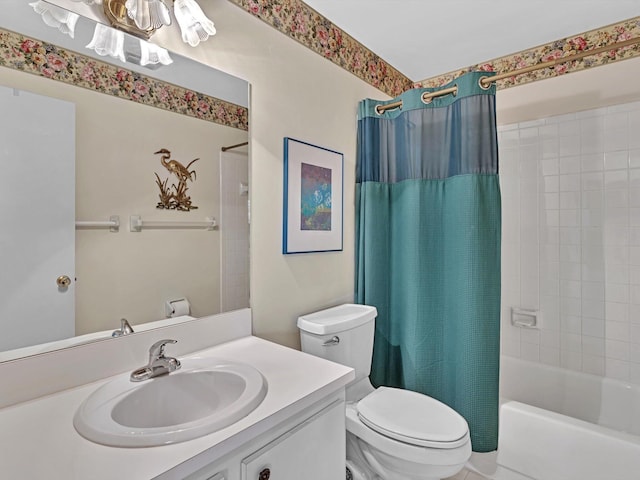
column 158, row 363
column 125, row 326
column 125, row 329
column 157, row 349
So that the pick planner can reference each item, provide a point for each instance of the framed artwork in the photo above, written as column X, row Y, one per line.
column 313, row 198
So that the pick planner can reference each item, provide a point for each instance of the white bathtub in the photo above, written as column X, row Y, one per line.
column 556, row 424
column 594, row 399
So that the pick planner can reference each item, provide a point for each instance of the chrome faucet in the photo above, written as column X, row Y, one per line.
column 158, row 363
column 125, row 329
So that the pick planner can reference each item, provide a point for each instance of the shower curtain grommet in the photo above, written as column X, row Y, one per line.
column 482, row 79
column 381, row 106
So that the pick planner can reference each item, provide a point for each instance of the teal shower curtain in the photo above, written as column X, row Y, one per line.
column 428, row 248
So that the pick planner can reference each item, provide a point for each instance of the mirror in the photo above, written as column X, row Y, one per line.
column 113, row 147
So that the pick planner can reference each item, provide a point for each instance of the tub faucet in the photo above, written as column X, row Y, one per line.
column 125, row 329
column 158, row 363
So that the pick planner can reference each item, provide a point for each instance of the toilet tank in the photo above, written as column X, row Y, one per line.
column 342, row 334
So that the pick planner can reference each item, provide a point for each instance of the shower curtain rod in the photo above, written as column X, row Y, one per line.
column 485, row 82
column 224, row 149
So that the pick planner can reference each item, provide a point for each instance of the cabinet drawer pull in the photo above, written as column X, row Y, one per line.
column 265, row 474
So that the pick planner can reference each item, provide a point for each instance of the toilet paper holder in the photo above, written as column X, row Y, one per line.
column 177, row 307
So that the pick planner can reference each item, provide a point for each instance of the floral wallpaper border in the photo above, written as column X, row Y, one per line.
column 592, row 39
column 303, row 24
column 50, row 61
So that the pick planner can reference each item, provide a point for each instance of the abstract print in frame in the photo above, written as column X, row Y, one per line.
column 313, row 198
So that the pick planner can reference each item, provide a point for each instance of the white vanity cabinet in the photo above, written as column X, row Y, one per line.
column 310, row 446
column 297, row 432
column 313, row 450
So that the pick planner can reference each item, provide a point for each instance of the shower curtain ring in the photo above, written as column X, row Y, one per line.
column 428, row 97
column 482, row 85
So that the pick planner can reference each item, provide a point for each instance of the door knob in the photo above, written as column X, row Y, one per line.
column 265, row 474
column 63, row 281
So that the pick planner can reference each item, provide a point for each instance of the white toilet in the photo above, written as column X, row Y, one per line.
column 392, row 434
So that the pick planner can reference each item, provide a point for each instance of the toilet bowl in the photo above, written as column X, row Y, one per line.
column 392, row 434
column 398, row 439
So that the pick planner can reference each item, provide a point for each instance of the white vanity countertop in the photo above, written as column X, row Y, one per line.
column 38, row 440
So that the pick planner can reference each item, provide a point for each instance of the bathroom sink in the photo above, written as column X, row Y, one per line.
column 201, row 398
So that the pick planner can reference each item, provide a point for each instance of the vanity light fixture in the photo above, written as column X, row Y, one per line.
column 152, row 54
column 108, row 41
column 194, row 24
column 143, row 18
column 114, row 43
column 147, row 14
column 56, row 17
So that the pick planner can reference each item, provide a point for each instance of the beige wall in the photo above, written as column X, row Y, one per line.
column 294, row 93
column 300, row 95
column 129, row 274
column 297, row 93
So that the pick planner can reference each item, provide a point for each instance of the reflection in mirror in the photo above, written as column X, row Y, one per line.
column 86, row 147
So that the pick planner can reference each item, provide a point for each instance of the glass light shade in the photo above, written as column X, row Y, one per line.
column 56, row 17
column 107, row 41
column 194, row 25
column 152, row 54
column 148, row 14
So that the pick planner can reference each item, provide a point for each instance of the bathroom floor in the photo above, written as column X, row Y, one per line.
column 500, row 474
column 466, row 475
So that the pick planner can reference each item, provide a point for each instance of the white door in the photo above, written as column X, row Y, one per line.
column 37, row 218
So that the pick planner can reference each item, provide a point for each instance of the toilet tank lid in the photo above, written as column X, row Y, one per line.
column 337, row 319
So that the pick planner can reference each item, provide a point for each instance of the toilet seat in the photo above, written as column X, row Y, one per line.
column 403, row 450
column 413, row 418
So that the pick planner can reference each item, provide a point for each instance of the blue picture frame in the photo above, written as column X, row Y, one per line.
column 313, row 203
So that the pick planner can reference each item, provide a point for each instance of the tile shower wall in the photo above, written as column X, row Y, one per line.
column 571, row 240
column 234, row 231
